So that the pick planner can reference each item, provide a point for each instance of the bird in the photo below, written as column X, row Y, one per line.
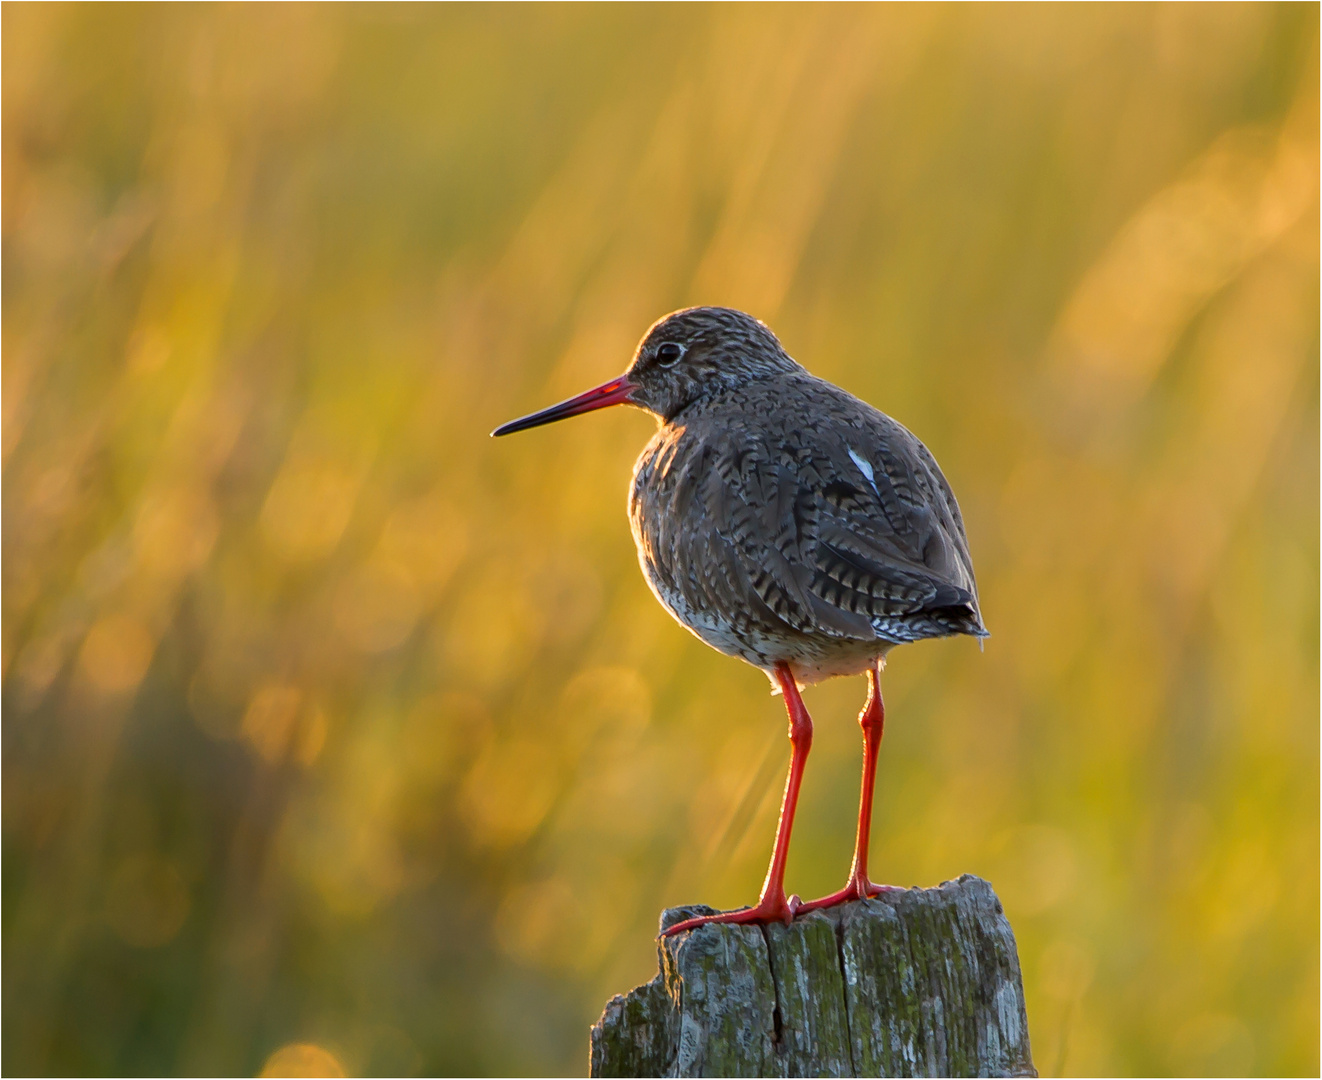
column 790, row 524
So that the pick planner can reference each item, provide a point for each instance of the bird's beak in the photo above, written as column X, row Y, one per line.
column 616, row 392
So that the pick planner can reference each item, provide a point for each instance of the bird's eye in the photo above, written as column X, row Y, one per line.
column 668, row 352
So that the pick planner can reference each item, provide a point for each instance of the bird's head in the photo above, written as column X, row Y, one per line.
column 685, row 356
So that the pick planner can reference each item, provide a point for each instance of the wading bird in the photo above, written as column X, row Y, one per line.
column 788, row 523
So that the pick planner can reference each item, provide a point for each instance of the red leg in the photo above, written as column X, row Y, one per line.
column 872, row 720
column 772, row 905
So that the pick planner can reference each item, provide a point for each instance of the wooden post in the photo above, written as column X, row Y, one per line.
column 919, row 982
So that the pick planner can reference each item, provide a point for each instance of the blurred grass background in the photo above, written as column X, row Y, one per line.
column 332, row 725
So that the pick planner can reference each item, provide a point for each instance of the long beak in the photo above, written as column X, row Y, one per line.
column 615, row 392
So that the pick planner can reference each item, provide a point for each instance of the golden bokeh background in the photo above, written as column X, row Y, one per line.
column 340, row 737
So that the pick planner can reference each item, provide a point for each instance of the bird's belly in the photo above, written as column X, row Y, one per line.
column 847, row 657
column 811, row 657
column 709, row 626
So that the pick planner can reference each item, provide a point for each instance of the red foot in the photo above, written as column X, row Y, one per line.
column 857, row 889
column 767, row 911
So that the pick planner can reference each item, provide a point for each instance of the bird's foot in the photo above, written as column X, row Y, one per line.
column 768, row 910
column 858, row 888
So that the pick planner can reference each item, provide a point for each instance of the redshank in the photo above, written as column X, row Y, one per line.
column 785, row 522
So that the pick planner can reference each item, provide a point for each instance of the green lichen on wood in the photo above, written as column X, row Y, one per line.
column 812, row 1027
column 642, row 1028
column 916, row 982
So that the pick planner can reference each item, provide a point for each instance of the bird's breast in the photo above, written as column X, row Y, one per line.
column 655, row 511
column 676, row 524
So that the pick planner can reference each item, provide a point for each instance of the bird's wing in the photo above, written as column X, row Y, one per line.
column 889, row 540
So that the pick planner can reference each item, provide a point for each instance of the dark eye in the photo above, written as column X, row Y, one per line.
column 668, row 352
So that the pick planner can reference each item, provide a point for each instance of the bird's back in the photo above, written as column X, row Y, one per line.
column 785, row 520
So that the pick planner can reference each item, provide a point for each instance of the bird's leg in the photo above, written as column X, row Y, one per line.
column 773, row 905
column 872, row 720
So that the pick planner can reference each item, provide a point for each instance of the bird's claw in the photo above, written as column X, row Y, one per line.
column 784, row 910
column 792, row 907
column 856, row 889
column 768, row 910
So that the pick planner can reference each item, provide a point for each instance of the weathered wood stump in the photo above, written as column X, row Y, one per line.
column 918, row 982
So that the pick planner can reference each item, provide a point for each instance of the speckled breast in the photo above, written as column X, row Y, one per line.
column 674, row 539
